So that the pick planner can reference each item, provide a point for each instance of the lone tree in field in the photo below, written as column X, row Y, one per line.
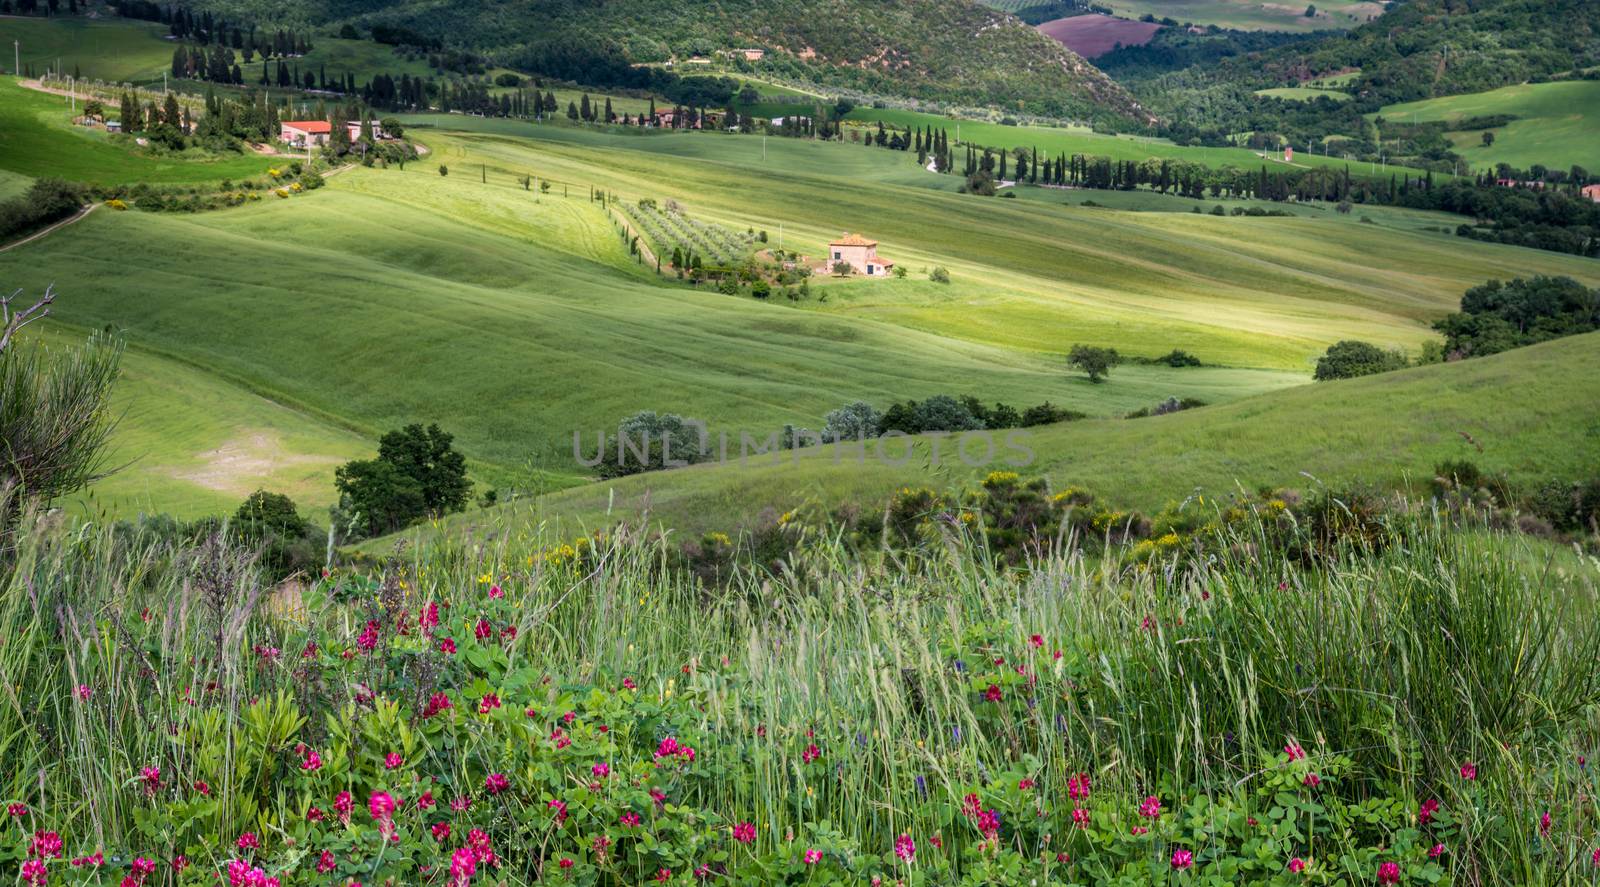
column 1488, row 138
column 417, row 473
column 1095, row 362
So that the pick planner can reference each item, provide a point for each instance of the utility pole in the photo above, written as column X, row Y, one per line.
column 16, row 57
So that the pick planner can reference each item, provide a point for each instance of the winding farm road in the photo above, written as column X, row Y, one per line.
column 61, row 224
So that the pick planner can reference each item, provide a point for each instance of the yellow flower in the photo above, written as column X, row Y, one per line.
column 997, row 478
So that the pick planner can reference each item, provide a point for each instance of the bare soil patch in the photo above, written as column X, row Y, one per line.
column 244, row 463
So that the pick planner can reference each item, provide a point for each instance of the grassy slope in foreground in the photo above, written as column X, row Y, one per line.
column 191, row 444
column 1558, row 124
column 1534, row 412
column 37, row 138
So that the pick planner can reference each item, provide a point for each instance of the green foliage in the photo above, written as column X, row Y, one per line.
column 1498, row 316
column 289, row 543
column 417, row 473
column 1094, row 361
column 1177, row 357
column 45, row 202
column 650, row 441
column 1350, row 358
column 475, row 687
column 55, row 416
column 1417, row 50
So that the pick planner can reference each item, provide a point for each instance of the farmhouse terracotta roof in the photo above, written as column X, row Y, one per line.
column 312, row 126
column 853, row 240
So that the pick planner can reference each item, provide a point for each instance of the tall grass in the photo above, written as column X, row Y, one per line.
column 1436, row 646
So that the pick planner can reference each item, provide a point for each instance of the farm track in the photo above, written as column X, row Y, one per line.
column 61, row 224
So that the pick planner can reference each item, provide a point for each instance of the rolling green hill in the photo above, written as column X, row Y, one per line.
column 1420, row 49
column 37, row 138
column 515, row 318
column 1557, row 124
column 1533, row 414
column 119, row 50
column 1250, row 15
column 949, row 50
column 191, row 444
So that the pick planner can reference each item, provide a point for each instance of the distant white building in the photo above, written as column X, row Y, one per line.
column 354, row 128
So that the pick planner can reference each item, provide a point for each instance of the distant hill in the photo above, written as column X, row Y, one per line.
column 1420, row 49
column 945, row 50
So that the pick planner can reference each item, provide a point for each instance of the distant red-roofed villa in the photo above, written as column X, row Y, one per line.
column 860, row 253
column 301, row 133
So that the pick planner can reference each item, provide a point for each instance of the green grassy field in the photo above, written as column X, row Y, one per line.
column 37, row 138
column 132, row 51
column 492, row 301
column 192, row 444
column 1533, row 414
column 1557, row 125
column 114, row 50
column 1304, row 93
column 12, row 184
column 1252, row 15
column 1081, row 140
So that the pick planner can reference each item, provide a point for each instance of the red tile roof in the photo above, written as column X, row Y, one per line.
column 311, row 126
column 853, row 240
